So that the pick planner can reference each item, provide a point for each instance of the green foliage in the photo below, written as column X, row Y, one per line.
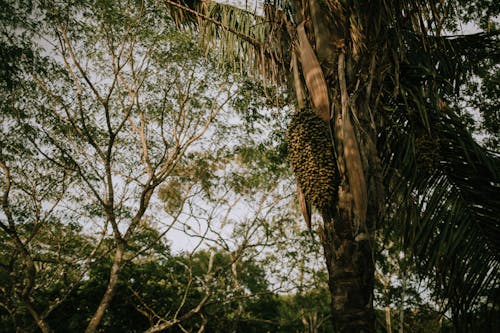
column 60, row 250
column 159, row 283
column 482, row 13
column 113, row 96
column 162, row 284
column 305, row 312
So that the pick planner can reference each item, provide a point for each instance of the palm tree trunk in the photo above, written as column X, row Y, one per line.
column 339, row 73
column 346, row 237
column 348, row 226
column 351, row 271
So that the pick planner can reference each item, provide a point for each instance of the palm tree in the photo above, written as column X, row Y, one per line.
column 377, row 143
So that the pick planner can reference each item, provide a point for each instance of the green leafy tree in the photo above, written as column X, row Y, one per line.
column 163, row 289
column 101, row 107
column 106, row 109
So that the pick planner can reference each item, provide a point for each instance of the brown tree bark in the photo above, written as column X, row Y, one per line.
column 348, row 225
column 350, row 269
column 110, row 290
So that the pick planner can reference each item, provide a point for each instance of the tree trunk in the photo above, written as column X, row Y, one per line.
column 339, row 65
column 348, row 224
column 351, row 276
column 110, row 290
column 39, row 320
column 402, row 305
column 346, row 237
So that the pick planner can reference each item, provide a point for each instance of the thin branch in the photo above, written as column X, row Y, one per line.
column 78, row 65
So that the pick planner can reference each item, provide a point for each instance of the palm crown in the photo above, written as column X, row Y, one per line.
column 430, row 185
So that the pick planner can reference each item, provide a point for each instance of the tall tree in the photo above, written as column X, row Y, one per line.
column 99, row 105
column 105, row 104
column 376, row 138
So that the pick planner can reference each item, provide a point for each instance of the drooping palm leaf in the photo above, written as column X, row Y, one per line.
column 447, row 215
column 237, row 37
column 447, row 185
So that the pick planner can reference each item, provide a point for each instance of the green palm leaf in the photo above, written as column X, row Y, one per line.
column 446, row 185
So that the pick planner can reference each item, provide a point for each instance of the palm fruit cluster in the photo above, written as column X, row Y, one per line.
column 427, row 153
column 312, row 159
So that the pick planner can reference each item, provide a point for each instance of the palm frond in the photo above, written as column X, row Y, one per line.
column 443, row 186
column 448, row 208
column 238, row 38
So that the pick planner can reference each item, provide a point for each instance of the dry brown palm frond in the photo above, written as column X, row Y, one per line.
column 305, row 206
column 297, row 82
column 335, row 6
column 356, row 35
column 328, row 33
column 352, row 156
column 313, row 74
